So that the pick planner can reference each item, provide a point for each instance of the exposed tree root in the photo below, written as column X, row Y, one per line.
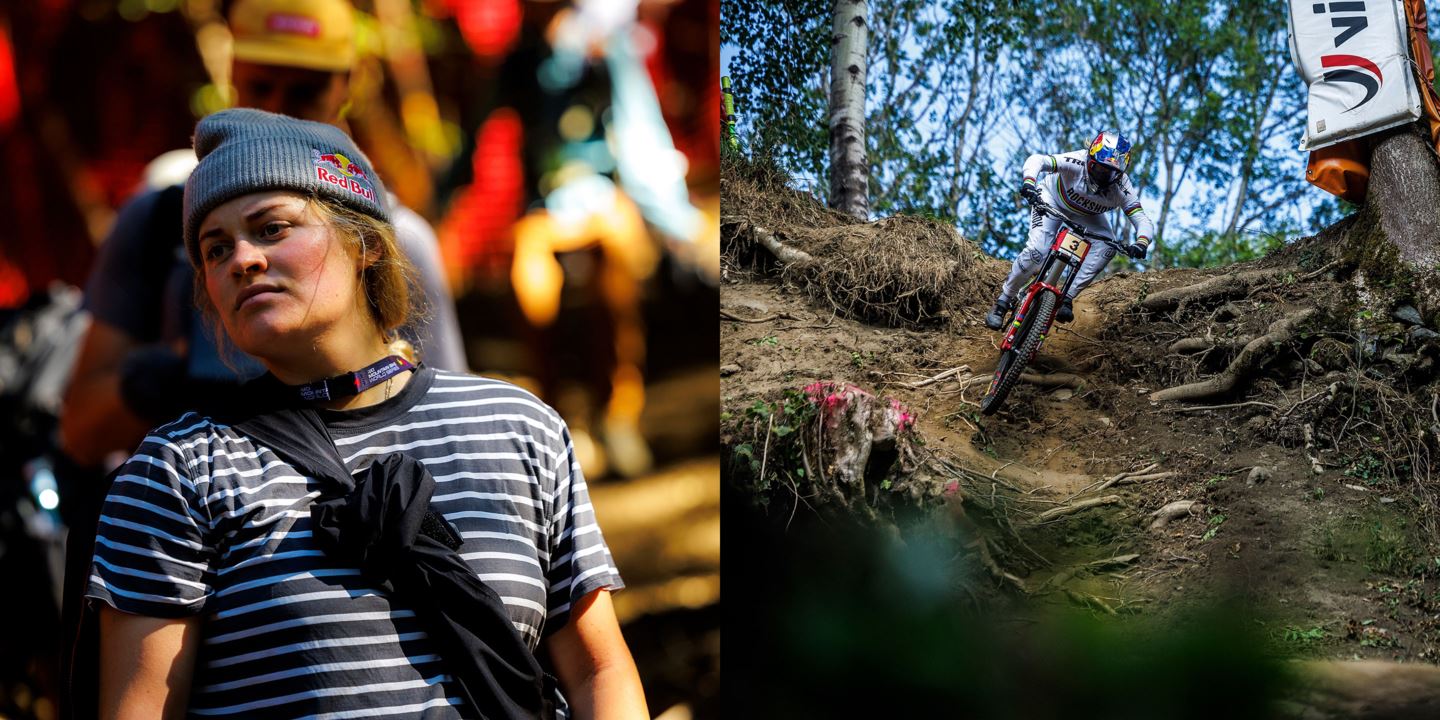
column 1199, row 408
column 1075, row 507
column 982, row 549
column 1185, row 346
column 1129, row 479
column 782, row 252
column 1112, row 562
column 1255, row 354
column 952, row 372
column 1101, row 485
column 859, row 271
column 1086, row 600
column 1177, row 509
column 1190, row 345
column 1224, row 286
column 1057, row 581
column 727, row 315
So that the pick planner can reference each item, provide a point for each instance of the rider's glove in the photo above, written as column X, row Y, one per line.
column 1137, row 250
column 1030, row 193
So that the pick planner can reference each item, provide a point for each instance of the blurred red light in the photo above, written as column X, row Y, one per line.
column 489, row 27
column 9, row 90
column 478, row 225
column 13, row 288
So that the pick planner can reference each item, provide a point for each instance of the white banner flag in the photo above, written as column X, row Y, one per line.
column 1352, row 54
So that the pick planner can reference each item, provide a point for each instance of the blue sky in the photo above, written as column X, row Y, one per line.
column 1005, row 139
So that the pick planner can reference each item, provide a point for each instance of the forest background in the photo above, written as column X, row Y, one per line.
column 960, row 92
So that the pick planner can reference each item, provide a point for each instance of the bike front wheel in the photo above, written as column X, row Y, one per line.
column 1013, row 361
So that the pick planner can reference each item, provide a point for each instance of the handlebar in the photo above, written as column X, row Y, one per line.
column 1093, row 237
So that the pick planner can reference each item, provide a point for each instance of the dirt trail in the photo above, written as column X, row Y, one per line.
column 1337, row 561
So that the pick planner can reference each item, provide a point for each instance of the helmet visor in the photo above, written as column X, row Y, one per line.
column 1102, row 173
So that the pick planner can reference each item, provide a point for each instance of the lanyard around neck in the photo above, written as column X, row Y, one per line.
column 354, row 383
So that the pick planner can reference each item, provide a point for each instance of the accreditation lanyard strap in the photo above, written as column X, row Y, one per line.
column 354, row 383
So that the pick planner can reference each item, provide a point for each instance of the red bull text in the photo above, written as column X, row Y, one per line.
column 350, row 175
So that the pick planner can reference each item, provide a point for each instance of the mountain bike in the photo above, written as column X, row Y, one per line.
column 1036, row 312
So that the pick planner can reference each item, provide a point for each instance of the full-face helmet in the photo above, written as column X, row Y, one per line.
column 1109, row 158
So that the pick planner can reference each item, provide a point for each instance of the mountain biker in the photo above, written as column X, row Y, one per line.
column 1082, row 185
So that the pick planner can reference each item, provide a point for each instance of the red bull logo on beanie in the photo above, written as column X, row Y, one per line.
column 337, row 169
column 341, row 163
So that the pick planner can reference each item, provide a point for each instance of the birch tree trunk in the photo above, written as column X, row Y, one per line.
column 849, row 168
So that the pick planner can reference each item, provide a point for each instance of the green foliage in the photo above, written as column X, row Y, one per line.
column 1215, row 522
column 1369, row 468
column 1374, row 636
column 960, row 92
column 1332, row 546
column 778, row 77
column 940, row 81
column 1302, row 638
column 1382, row 542
column 1212, row 249
column 772, row 453
column 1388, row 549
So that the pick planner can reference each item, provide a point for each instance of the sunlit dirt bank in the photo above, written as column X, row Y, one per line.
column 1209, row 476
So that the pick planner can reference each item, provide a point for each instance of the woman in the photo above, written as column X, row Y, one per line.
column 215, row 597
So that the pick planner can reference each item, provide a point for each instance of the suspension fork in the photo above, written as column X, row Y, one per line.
column 1048, row 278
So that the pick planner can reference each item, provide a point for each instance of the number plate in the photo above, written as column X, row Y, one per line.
column 1073, row 245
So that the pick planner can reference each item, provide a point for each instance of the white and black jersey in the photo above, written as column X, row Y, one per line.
column 1065, row 185
column 205, row 521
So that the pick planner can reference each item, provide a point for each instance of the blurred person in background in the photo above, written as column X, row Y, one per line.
column 617, row 186
column 227, row 574
column 146, row 356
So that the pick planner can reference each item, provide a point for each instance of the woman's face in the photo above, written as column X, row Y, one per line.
column 278, row 276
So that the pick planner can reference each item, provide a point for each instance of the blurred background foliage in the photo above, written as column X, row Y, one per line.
column 853, row 616
column 452, row 101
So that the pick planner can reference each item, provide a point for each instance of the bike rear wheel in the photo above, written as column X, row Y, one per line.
column 1013, row 361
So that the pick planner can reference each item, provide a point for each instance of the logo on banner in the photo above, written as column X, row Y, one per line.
column 1353, row 69
column 1348, row 25
column 1342, row 50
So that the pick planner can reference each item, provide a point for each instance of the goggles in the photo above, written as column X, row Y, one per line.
column 1102, row 173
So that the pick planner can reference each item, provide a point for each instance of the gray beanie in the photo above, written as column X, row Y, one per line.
column 242, row 151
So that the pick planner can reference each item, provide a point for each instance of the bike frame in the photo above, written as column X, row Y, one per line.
column 1067, row 253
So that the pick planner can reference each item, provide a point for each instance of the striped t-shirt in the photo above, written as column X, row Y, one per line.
column 205, row 521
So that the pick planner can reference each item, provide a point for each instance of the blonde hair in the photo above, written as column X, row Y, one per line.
column 389, row 279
